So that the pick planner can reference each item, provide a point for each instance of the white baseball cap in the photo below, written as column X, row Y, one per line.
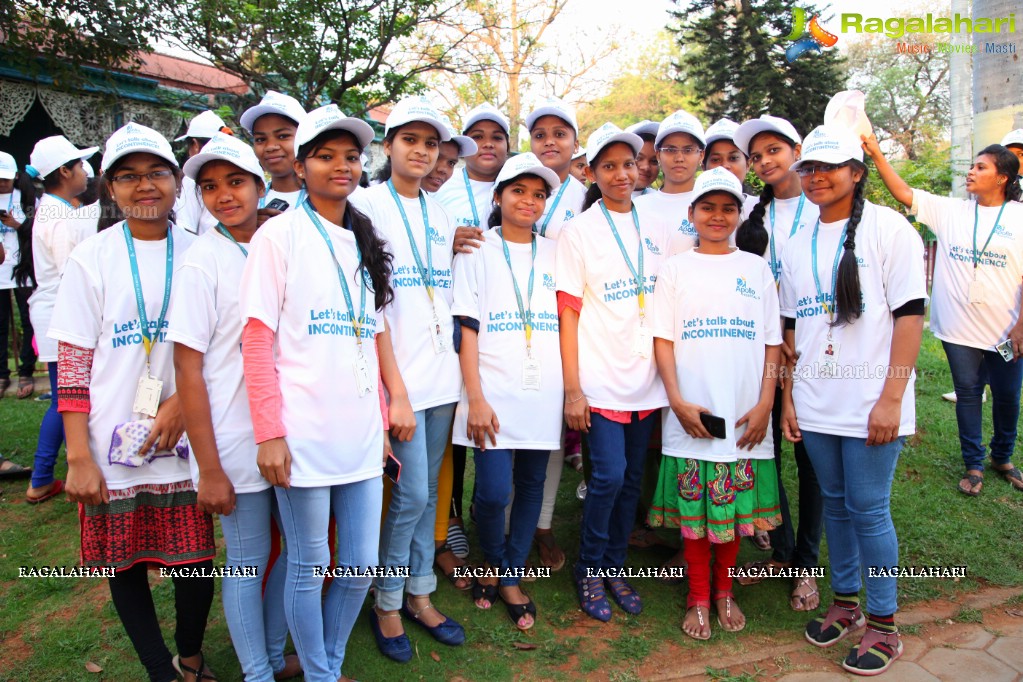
column 204, row 126
column 466, row 145
column 486, row 112
column 607, row 134
column 330, row 117
column 418, row 108
column 133, row 138
column 224, row 147
column 554, row 107
column 8, row 166
column 644, row 128
column 273, row 102
column 1013, row 137
column 90, row 172
column 581, row 151
column 50, row 153
column 521, row 164
column 723, row 129
column 680, row 122
column 753, row 127
column 717, row 179
column 829, row 144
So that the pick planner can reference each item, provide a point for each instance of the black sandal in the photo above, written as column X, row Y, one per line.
column 200, row 674
column 973, row 480
column 517, row 611
column 481, row 591
column 1012, row 475
column 451, row 576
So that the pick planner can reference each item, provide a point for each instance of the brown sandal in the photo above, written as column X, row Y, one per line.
column 1011, row 474
column 702, row 621
column 551, row 555
column 973, row 478
column 26, row 387
column 751, row 572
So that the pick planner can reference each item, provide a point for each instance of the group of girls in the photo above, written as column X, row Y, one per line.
column 590, row 309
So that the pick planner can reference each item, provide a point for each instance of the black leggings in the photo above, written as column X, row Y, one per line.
column 458, row 453
column 133, row 600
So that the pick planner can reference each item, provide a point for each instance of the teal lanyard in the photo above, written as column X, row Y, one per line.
column 976, row 215
column 60, row 199
column 525, row 312
column 554, row 207
column 829, row 309
column 357, row 322
column 775, row 265
column 636, row 274
column 223, row 230
column 472, row 199
column 301, row 196
column 426, row 274
column 148, row 339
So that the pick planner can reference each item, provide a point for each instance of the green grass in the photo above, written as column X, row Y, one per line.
column 50, row 628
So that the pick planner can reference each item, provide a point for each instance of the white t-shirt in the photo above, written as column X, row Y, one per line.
column 529, row 419
column 748, row 203
column 1000, row 271
column 204, row 316
column 455, row 199
column 190, row 211
column 96, row 309
column 431, row 379
column 290, row 284
column 561, row 210
column 58, row 228
column 674, row 210
column 590, row 266
column 721, row 312
column 891, row 270
column 786, row 225
column 9, row 237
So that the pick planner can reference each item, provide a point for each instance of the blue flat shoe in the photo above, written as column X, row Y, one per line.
column 624, row 595
column 449, row 632
column 395, row 648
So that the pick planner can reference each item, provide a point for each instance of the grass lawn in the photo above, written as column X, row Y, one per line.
column 50, row 628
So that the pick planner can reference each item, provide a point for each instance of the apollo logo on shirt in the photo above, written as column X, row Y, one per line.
column 651, row 247
column 1001, row 231
column 569, row 214
column 435, row 236
column 130, row 333
column 548, row 281
column 687, row 228
column 743, row 289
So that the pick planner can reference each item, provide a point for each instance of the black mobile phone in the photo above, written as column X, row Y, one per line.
column 392, row 468
column 714, row 425
column 278, row 205
column 3, row 213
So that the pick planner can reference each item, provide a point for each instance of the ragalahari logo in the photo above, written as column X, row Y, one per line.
column 808, row 37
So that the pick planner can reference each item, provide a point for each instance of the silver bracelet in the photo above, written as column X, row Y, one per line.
column 581, row 396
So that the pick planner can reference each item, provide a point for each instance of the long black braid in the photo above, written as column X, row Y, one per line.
column 847, row 288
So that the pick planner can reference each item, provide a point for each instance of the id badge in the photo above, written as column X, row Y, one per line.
column 441, row 327
column 643, row 343
column 147, row 396
column 977, row 292
column 531, row 374
column 363, row 380
column 829, row 358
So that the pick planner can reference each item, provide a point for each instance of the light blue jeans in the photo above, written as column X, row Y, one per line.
column 320, row 630
column 407, row 535
column 256, row 620
column 856, row 484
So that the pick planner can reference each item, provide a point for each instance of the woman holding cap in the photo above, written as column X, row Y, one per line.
column 419, row 233
column 852, row 295
column 646, row 161
column 716, row 486
column 976, row 300
column 128, row 470
column 312, row 293
column 509, row 412
column 608, row 259
column 272, row 124
column 207, row 333
column 11, row 218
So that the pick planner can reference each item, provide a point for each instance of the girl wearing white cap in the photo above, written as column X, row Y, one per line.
column 207, row 333
column 1013, row 141
column 646, row 160
column 128, row 470
column 419, row 233
column 977, row 294
column 312, row 293
column 459, row 146
column 510, row 409
column 45, row 240
column 578, row 168
column 852, row 295
column 189, row 211
column 716, row 306
column 608, row 259
column 721, row 151
column 11, row 218
column 272, row 124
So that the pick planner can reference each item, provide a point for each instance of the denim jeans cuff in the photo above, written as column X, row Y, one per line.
column 389, row 600
column 421, row 584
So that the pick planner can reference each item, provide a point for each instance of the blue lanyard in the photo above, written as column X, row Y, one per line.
column 223, row 230
column 636, row 274
column 426, row 274
column 148, row 339
column 301, row 196
column 554, row 206
column 356, row 322
column 60, row 199
column 828, row 308
column 525, row 312
column 775, row 265
column 976, row 215
column 472, row 199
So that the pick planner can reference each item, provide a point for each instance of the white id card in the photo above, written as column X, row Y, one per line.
column 643, row 343
column 147, row 396
column 531, row 374
column 363, row 381
column 441, row 326
column 828, row 358
column 977, row 292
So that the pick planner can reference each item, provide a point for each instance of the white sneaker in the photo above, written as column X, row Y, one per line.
column 951, row 397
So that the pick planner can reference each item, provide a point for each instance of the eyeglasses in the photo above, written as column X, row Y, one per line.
column 674, row 151
column 806, row 171
column 136, row 178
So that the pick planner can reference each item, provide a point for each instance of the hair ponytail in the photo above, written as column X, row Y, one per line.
column 752, row 236
column 376, row 259
column 592, row 196
column 24, row 270
column 848, row 297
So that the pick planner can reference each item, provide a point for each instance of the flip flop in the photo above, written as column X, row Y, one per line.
column 973, row 480
column 56, row 489
column 9, row 469
column 1012, row 475
column 26, row 387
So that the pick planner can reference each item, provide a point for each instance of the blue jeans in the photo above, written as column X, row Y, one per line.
column 320, row 630
column 972, row 368
column 407, row 535
column 496, row 471
column 256, row 621
column 856, row 483
column 51, row 437
column 617, row 457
